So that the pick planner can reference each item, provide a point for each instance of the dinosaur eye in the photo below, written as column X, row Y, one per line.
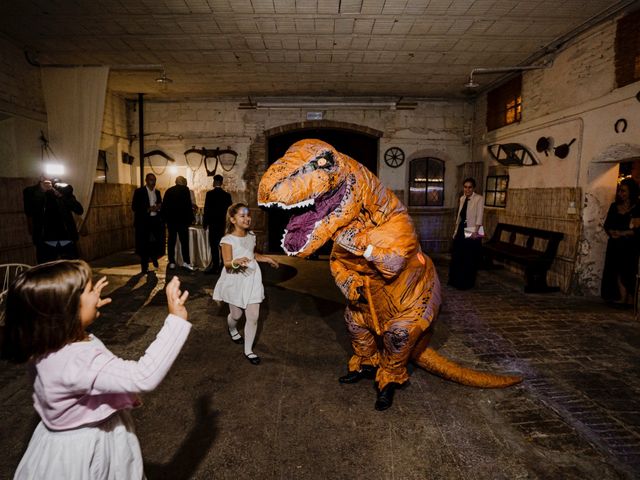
column 324, row 160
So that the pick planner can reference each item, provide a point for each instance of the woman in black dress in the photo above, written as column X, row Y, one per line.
column 621, row 260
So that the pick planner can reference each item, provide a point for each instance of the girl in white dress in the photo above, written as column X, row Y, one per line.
column 240, row 283
column 82, row 391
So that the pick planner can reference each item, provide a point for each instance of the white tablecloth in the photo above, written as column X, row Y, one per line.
column 199, row 250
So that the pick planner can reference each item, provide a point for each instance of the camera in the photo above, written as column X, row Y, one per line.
column 63, row 188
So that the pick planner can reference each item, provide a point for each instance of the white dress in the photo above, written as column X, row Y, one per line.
column 108, row 451
column 243, row 286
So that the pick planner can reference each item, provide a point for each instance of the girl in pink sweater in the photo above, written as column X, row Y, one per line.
column 82, row 391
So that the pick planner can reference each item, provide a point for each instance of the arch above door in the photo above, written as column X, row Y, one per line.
column 323, row 124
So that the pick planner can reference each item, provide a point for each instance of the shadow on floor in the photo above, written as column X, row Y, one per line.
column 185, row 462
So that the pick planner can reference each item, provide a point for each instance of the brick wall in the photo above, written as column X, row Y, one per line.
column 574, row 99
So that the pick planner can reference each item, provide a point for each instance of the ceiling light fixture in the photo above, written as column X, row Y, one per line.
column 163, row 79
column 328, row 104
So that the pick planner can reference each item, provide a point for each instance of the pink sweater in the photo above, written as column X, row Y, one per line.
column 84, row 383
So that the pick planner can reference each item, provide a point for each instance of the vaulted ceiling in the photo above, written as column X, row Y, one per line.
column 257, row 48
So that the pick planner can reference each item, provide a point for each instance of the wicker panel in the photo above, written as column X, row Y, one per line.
column 15, row 241
column 546, row 209
column 108, row 226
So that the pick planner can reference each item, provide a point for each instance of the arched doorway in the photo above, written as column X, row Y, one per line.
column 360, row 143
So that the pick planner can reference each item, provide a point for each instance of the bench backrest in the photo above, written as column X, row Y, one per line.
column 531, row 234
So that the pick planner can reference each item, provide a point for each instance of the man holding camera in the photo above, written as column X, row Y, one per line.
column 49, row 206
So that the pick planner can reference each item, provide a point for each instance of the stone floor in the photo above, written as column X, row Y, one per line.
column 576, row 415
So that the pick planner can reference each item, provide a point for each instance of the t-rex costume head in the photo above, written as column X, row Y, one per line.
column 322, row 183
column 376, row 261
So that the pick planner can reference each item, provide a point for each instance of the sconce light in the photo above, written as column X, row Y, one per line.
column 472, row 84
column 226, row 158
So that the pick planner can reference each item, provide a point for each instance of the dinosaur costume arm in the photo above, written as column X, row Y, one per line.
column 348, row 281
column 389, row 258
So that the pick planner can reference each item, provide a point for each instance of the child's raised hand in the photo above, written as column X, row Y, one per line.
column 176, row 299
column 97, row 288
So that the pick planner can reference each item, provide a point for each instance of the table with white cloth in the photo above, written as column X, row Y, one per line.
column 199, row 250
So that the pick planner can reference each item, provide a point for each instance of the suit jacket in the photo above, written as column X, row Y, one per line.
column 177, row 208
column 475, row 212
column 149, row 229
column 216, row 204
column 50, row 216
column 140, row 206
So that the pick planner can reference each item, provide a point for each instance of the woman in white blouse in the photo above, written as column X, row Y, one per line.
column 467, row 235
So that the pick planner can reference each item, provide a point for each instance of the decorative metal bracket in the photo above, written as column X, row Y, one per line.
column 160, row 153
column 512, row 154
column 226, row 158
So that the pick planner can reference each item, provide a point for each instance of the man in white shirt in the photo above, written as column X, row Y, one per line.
column 148, row 223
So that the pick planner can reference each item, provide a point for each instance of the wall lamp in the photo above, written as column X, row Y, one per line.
column 481, row 70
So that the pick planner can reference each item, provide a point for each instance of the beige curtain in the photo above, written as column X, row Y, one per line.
column 74, row 99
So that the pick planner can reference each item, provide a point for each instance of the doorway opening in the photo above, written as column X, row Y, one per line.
column 362, row 147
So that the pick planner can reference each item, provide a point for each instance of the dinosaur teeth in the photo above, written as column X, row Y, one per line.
column 305, row 203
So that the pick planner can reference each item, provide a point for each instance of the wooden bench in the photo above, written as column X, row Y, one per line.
column 532, row 248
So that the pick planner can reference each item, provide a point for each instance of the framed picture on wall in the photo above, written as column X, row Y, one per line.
column 495, row 193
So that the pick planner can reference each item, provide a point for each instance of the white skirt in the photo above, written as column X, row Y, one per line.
column 109, row 451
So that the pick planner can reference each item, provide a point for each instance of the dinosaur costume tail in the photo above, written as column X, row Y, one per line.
column 435, row 363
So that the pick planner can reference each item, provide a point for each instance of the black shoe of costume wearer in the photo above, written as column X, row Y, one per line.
column 385, row 397
column 368, row 372
column 155, row 262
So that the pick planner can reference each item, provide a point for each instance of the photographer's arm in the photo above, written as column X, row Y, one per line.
column 73, row 204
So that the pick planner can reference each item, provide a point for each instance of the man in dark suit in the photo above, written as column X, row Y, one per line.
column 214, row 217
column 146, row 205
column 177, row 212
column 49, row 206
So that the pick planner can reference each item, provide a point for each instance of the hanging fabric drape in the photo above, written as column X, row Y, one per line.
column 74, row 98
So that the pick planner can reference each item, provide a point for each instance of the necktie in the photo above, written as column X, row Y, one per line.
column 463, row 212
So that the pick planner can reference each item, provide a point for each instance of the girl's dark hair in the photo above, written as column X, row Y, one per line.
column 631, row 184
column 231, row 212
column 41, row 314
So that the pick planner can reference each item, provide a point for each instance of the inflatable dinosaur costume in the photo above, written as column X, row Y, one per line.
column 392, row 287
